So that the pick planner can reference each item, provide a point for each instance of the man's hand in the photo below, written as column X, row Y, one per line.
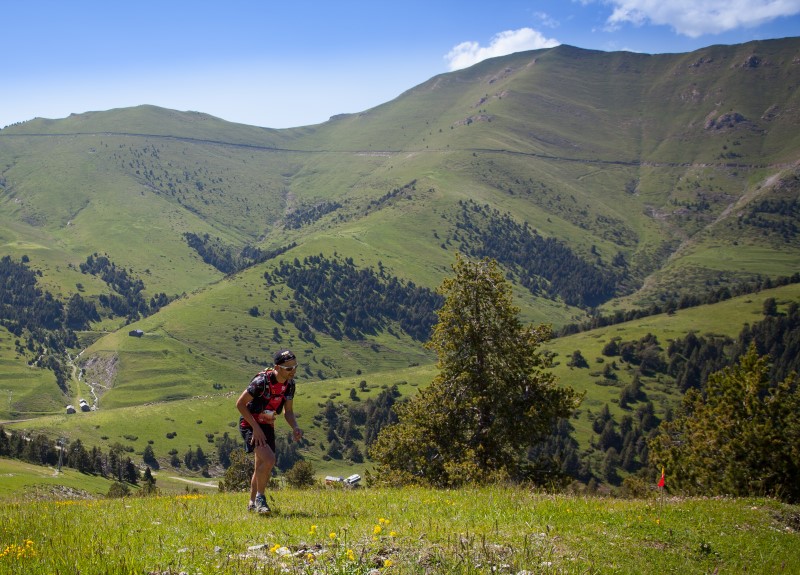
column 258, row 437
column 297, row 433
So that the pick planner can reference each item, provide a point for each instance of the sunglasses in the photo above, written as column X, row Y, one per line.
column 288, row 367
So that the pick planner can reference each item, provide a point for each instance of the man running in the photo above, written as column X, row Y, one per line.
column 270, row 392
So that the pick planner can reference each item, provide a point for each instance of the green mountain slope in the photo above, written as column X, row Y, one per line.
column 610, row 180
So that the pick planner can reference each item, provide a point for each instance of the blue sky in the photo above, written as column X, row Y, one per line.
column 298, row 62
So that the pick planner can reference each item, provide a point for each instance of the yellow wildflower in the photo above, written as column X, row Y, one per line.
column 332, row 535
column 392, row 533
column 350, row 555
column 377, row 530
column 19, row 551
column 388, row 563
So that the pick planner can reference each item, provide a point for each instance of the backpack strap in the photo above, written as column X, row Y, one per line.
column 268, row 373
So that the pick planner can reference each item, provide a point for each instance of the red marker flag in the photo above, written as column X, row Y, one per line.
column 661, row 482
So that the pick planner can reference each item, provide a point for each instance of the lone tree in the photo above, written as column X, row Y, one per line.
column 740, row 437
column 490, row 402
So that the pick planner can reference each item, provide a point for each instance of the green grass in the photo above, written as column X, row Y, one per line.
column 408, row 531
column 25, row 391
column 20, row 480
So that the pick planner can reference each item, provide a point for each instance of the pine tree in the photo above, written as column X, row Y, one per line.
column 78, row 458
column 148, row 483
column 130, row 471
column 491, row 399
column 149, row 457
column 740, row 438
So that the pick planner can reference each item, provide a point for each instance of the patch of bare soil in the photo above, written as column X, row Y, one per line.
column 99, row 373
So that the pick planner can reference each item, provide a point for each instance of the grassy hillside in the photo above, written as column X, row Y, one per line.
column 722, row 319
column 661, row 176
column 138, row 412
column 203, row 417
column 19, row 480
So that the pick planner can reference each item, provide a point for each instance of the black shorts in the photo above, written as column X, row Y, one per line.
column 247, row 435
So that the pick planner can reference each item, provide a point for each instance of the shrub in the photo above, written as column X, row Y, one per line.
column 118, row 490
column 239, row 472
column 301, row 475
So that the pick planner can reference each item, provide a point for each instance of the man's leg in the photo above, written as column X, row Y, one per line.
column 265, row 461
column 247, row 436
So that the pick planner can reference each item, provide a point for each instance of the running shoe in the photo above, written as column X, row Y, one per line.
column 261, row 505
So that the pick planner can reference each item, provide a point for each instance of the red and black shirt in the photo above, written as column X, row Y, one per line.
column 268, row 394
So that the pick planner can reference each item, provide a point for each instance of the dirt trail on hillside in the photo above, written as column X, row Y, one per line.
column 198, row 483
column 619, row 162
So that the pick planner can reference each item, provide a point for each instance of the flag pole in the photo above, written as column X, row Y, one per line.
column 661, row 485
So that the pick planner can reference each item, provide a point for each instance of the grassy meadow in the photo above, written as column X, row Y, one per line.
column 21, row 480
column 366, row 530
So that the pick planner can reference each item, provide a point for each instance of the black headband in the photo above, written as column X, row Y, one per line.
column 283, row 356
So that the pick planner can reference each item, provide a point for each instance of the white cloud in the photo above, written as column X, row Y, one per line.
column 695, row 18
column 546, row 20
column 508, row 42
